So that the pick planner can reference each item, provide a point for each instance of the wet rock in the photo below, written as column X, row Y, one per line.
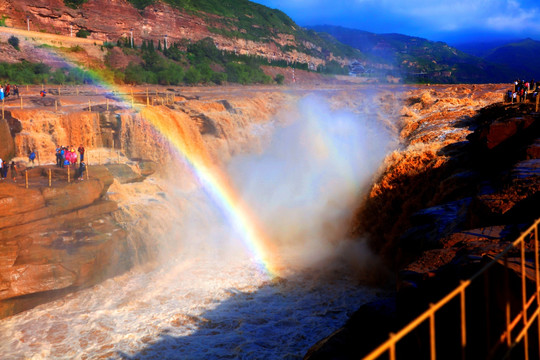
column 7, row 145
column 16, row 200
column 227, row 106
column 147, row 168
column 366, row 328
column 57, row 239
column 434, row 223
column 500, row 131
column 124, row 173
column 533, row 151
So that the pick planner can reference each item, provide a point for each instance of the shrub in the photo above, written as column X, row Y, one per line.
column 82, row 33
column 279, row 79
column 74, row 3
column 14, row 41
column 193, row 76
column 219, row 78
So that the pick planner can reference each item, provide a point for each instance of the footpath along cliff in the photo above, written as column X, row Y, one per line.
column 463, row 186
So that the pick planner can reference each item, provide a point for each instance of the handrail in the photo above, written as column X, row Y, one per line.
column 527, row 319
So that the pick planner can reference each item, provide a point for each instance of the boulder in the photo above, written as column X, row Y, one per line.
column 124, row 173
column 17, row 200
column 7, row 145
column 533, row 151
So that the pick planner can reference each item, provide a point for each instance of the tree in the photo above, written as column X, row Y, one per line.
column 14, row 41
column 82, row 33
column 279, row 79
column 193, row 76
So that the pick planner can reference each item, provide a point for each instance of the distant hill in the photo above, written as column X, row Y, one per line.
column 523, row 57
column 419, row 60
column 481, row 48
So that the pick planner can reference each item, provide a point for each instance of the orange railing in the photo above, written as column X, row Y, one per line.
column 512, row 333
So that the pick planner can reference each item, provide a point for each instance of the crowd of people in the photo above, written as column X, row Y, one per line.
column 5, row 166
column 523, row 90
column 8, row 90
column 66, row 155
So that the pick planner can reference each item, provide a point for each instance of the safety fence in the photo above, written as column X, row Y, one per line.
column 49, row 174
column 511, row 307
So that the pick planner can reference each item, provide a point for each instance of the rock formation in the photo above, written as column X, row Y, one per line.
column 152, row 23
column 461, row 190
column 57, row 239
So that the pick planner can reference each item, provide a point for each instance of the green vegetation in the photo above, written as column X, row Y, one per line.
column 201, row 63
column 243, row 19
column 39, row 73
column 3, row 20
column 333, row 67
column 417, row 60
column 14, row 41
column 279, row 79
column 74, row 3
column 82, row 33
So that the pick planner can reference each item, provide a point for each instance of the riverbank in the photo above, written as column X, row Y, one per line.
column 447, row 203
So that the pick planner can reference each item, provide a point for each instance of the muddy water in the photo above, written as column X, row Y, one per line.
column 208, row 301
column 190, row 309
column 210, row 298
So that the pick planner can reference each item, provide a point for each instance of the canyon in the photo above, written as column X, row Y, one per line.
column 61, row 243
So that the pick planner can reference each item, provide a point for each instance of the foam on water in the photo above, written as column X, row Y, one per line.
column 190, row 309
column 210, row 299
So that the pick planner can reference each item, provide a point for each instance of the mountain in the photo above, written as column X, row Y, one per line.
column 481, row 48
column 238, row 26
column 523, row 57
column 417, row 59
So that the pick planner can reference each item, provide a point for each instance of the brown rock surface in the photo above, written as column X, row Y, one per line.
column 477, row 161
column 151, row 23
column 56, row 238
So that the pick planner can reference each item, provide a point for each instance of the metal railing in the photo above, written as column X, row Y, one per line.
column 516, row 325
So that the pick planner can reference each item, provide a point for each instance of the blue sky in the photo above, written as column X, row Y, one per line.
column 445, row 20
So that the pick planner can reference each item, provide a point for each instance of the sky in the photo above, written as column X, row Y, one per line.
column 452, row 21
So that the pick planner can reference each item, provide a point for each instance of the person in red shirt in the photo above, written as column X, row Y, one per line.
column 81, row 151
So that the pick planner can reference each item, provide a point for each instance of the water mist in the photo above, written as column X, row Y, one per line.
column 208, row 298
column 306, row 184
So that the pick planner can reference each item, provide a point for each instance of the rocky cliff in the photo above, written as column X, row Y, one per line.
column 70, row 235
column 154, row 22
column 462, row 187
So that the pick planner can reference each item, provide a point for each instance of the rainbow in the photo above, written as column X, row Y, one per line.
column 218, row 185
column 210, row 176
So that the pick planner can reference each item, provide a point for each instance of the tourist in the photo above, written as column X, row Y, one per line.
column 1, row 169
column 62, row 156
column 16, row 91
column 82, row 169
column 7, row 89
column 6, row 167
column 81, row 151
column 514, row 97
column 31, row 157
column 1, row 93
column 13, row 167
column 58, row 156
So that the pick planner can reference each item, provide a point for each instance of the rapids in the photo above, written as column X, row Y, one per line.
column 196, row 308
column 209, row 297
